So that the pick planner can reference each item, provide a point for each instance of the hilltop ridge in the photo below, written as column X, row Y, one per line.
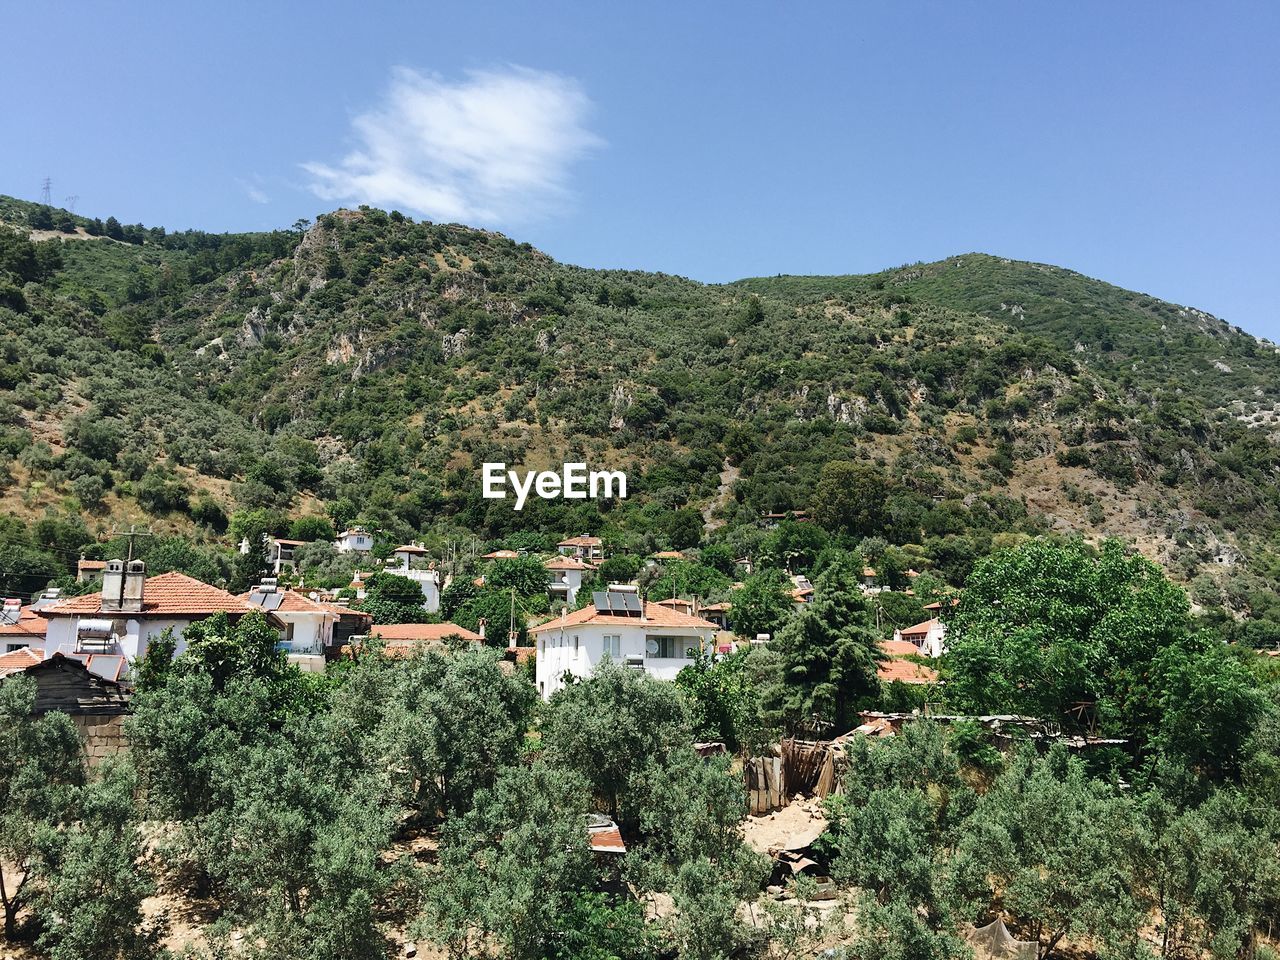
column 366, row 364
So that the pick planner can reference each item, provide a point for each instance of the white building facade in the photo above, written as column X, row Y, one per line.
column 620, row 626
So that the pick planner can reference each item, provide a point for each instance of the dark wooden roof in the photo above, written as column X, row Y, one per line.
column 69, row 686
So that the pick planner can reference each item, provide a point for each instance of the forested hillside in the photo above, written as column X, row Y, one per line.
column 364, row 366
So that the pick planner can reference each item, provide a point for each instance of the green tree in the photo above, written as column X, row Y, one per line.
column 89, row 902
column 851, row 498
column 607, row 727
column 828, row 656
column 1058, row 850
column 762, row 604
column 41, row 767
column 513, row 867
column 723, row 700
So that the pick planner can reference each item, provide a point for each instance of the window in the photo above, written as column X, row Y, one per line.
column 613, row 646
column 671, row 648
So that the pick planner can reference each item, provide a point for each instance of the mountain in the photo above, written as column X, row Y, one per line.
column 367, row 364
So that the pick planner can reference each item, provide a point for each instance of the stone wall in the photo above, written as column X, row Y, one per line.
column 103, row 735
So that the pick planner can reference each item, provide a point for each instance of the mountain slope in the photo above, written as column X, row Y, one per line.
column 369, row 364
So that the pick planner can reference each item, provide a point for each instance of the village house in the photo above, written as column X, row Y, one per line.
column 403, row 559
column 928, row 638
column 620, row 625
column 311, row 628
column 280, row 554
column 869, row 583
column 354, row 540
column 564, row 579
column 717, row 613
column 501, row 555
column 131, row 610
column 585, row 548
column 801, row 591
column 87, row 570
column 20, row 627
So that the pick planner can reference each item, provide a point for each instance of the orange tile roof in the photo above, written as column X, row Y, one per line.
column 168, row 595
column 19, row 660
column 92, row 565
column 566, row 563
column 294, row 602
column 937, row 604
column 905, row 671
column 501, row 555
column 898, row 648
column 409, row 548
column 421, row 632
column 580, row 542
column 667, row 555
column 655, row 615
column 920, row 629
column 28, row 624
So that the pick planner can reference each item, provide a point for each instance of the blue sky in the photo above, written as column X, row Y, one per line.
column 1135, row 142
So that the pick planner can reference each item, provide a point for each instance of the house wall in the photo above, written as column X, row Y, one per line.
column 578, row 650
column 132, row 638
column 311, row 632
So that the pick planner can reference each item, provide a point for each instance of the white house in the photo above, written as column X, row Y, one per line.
column 354, row 540
column 131, row 610
column 310, row 627
column 279, row 553
column 20, row 627
column 645, row 636
column 428, row 580
column 564, row 578
column 929, row 638
column 585, row 548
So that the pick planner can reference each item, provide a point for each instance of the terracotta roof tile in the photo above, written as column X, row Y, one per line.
column 169, row 594
column 580, row 542
column 655, row 615
column 898, row 648
column 19, row 660
column 906, row 671
column 28, row 624
column 566, row 563
column 920, row 629
column 421, row 632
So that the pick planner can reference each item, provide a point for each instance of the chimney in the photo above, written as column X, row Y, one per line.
column 135, row 576
column 113, row 586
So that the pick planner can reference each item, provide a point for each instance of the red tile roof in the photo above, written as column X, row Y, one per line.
column 421, row 632
column 580, row 542
column 501, row 555
column 566, row 563
column 19, row 660
column 920, row 629
column 29, row 624
column 168, row 595
column 294, row 602
column 898, row 648
column 655, row 615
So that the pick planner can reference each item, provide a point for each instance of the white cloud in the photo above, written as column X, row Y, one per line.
column 493, row 148
column 253, row 190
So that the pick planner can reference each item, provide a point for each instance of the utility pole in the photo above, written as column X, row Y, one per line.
column 132, row 534
column 45, row 189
